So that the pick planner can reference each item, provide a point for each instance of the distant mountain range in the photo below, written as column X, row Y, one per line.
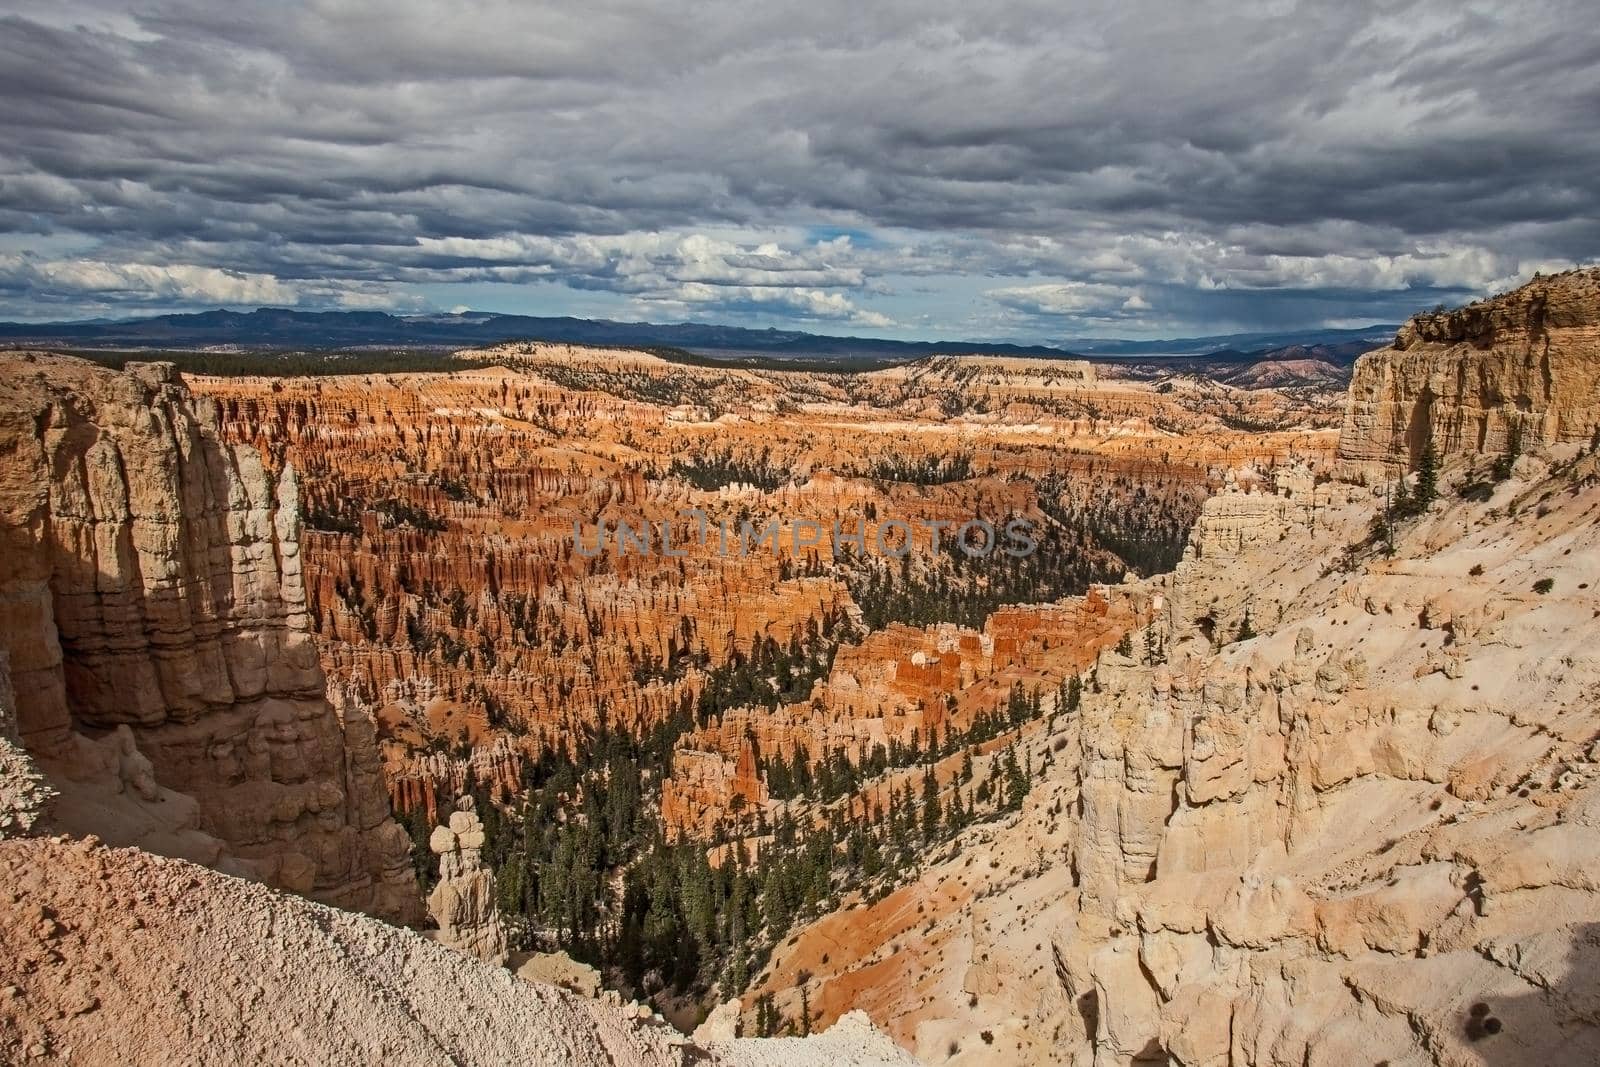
column 1236, row 344
column 279, row 328
column 284, row 328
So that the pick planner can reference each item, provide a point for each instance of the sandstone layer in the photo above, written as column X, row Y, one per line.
column 153, row 613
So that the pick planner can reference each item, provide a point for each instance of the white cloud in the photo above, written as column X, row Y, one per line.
column 1066, row 298
column 184, row 283
column 181, row 281
column 804, row 304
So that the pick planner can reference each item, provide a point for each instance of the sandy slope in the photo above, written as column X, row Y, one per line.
column 117, row 956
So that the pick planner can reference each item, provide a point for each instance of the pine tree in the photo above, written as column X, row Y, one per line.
column 631, row 951
column 738, row 968
column 780, row 783
column 774, row 903
column 802, row 771
column 766, row 1016
column 1016, row 782
column 1016, row 704
column 1383, row 524
column 931, row 813
column 1246, row 630
column 416, row 824
column 1427, row 478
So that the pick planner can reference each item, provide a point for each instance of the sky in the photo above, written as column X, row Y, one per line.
column 1003, row 170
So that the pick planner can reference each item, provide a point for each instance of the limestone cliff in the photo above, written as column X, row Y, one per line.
column 152, row 607
column 1519, row 370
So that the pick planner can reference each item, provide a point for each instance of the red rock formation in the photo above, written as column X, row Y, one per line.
column 417, row 781
column 898, row 685
column 441, row 572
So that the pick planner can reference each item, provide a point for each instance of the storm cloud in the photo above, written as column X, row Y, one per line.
column 1016, row 170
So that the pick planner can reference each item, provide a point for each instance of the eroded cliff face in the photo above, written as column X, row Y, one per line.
column 154, row 615
column 1518, row 371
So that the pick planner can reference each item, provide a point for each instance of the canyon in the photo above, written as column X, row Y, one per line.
column 1257, row 760
column 443, row 513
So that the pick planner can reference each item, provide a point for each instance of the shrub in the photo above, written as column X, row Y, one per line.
column 1246, row 630
column 1544, row 585
column 1477, row 570
column 1508, row 459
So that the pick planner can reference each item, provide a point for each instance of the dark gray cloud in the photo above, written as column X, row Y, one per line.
column 1012, row 169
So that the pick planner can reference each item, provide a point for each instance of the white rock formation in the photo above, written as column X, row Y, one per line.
column 463, row 903
column 154, row 614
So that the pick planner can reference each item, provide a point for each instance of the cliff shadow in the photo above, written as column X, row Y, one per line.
column 1558, row 1025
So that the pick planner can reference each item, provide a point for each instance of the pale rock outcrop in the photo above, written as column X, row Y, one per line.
column 1329, row 828
column 25, row 796
column 559, row 969
column 722, row 1024
column 152, row 607
column 463, row 903
column 1366, row 834
column 852, row 1041
column 1246, row 518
